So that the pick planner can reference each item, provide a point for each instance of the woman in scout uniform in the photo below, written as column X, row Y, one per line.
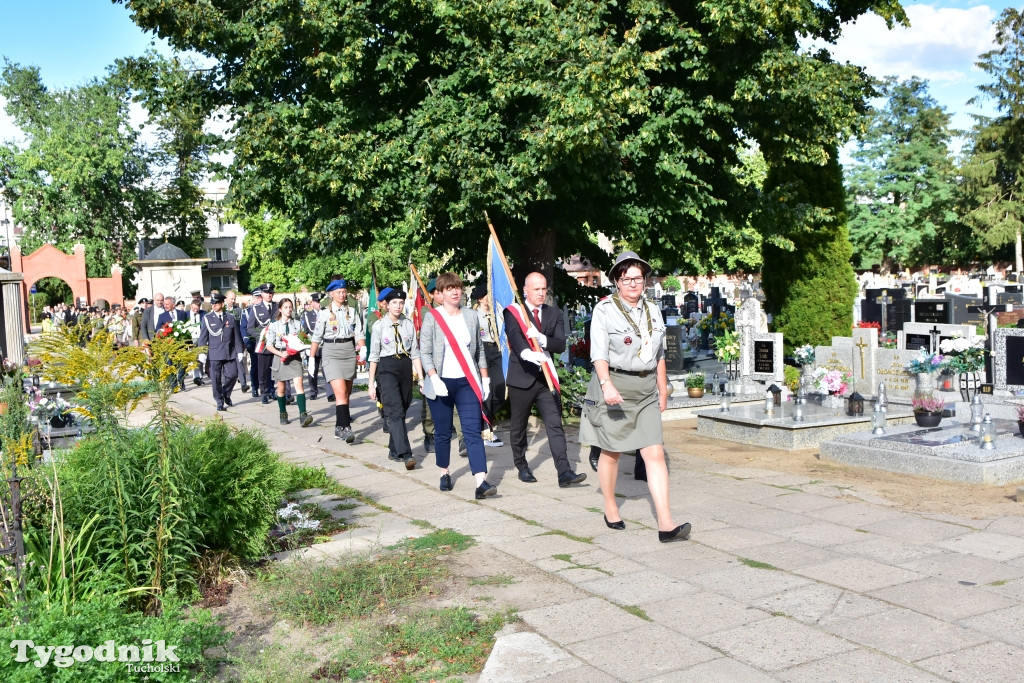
column 286, row 366
column 628, row 391
column 394, row 359
column 456, row 370
column 339, row 328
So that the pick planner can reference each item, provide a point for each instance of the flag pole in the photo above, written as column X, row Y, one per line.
column 416, row 273
column 515, row 291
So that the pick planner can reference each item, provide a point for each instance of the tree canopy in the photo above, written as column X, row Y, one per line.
column 561, row 119
column 902, row 190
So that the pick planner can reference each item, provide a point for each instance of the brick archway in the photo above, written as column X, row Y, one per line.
column 49, row 261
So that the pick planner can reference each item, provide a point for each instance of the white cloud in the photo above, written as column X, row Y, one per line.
column 8, row 131
column 941, row 44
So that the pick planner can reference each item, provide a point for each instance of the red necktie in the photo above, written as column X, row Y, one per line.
column 536, row 317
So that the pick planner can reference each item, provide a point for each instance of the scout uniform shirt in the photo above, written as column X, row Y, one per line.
column 629, row 338
column 393, row 338
column 334, row 322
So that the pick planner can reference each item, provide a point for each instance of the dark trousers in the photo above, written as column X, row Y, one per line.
column 266, row 385
column 254, row 369
column 462, row 398
column 223, row 375
column 314, row 377
column 394, row 388
column 520, row 400
column 497, row 398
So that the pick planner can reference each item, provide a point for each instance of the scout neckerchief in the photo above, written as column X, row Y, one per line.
column 549, row 365
column 401, row 351
column 646, row 350
column 460, row 355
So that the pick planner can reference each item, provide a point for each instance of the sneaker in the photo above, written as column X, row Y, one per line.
column 485, row 490
column 339, row 432
column 350, row 436
column 284, row 418
column 305, row 419
column 446, row 482
column 494, row 443
column 463, row 453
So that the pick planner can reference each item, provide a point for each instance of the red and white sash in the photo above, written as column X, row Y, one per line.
column 460, row 355
column 549, row 364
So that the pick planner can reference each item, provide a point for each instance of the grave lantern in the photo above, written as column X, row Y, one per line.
column 769, row 403
column 855, row 405
column 977, row 412
column 776, row 394
column 798, row 412
column 726, row 401
column 988, row 433
column 883, row 401
column 878, row 420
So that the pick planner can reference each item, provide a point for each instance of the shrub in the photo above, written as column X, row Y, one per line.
column 811, row 286
column 695, row 381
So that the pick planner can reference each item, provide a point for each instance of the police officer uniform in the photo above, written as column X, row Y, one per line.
column 250, row 345
column 308, row 321
column 260, row 317
column 221, row 334
column 237, row 312
column 393, row 349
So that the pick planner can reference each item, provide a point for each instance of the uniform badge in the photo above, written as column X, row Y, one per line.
column 627, row 341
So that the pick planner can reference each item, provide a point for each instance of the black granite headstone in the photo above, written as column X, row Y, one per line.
column 962, row 313
column 933, row 312
column 764, row 356
column 1014, row 360
column 690, row 304
column 1014, row 298
column 918, row 341
column 674, row 361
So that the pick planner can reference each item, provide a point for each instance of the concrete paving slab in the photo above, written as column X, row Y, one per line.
column 822, row 534
column 776, row 521
column 790, row 554
column 1011, row 589
column 858, row 574
column 799, row 501
column 1006, row 624
column 601, row 560
column 864, row 666
column 996, row 662
column 818, row 605
column 735, row 539
column 699, row 614
column 853, row 515
column 776, row 643
column 1007, row 525
column 642, row 652
column 580, row 620
column 906, row 634
column 639, row 587
column 721, row 670
column 525, row 657
column 943, row 598
column 534, row 547
column 914, row 529
column 686, row 561
column 747, row 584
column 970, row 568
column 886, row 550
column 988, row 544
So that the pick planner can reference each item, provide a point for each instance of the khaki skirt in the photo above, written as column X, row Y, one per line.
column 284, row 371
column 634, row 423
column 339, row 360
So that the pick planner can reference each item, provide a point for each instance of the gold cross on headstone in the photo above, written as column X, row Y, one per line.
column 861, row 344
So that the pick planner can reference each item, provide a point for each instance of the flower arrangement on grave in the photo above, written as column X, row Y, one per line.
column 9, row 369
column 726, row 323
column 963, row 355
column 727, row 347
column 887, row 341
column 695, row 381
column 831, row 381
column 867, row 325
column 53, row 410
column 925, row 363
column 581, row 349
column 927, row 403
column 804, row 355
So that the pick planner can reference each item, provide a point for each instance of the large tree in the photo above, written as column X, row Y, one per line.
column 901, row 191
column 994, row 170
column 82, row 176
column 560, row 119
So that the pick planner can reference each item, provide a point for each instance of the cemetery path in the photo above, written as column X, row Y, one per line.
column 797, row 570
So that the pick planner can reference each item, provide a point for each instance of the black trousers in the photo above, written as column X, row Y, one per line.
column 223, row 375
column 394, row 384
column 314, row 377
column 497, row 398
column 254, row 368
column 550, row 412
column 265, row 360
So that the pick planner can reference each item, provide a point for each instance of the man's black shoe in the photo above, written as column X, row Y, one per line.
column 245, row 387
column 291, row 400
column 595, row 455
column 446, row 482
column 526, row 476
column 255, row 393
column 266, row 400
column 569, row 478
column 198, row 381
column 485, row 490
column 220, row 406
column 229, row 402
column 312, row 396
column 330, row 398
column 428, row 443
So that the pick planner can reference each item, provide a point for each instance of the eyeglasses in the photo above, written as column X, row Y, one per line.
column 632, row 280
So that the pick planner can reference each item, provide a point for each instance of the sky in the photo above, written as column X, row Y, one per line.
column 72, row 41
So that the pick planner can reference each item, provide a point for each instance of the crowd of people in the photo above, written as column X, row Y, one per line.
column 453, row 352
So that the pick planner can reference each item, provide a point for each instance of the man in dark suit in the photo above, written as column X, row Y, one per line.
column 170, row 315
column 526, row 383
column 220, row 333
column 262, row 314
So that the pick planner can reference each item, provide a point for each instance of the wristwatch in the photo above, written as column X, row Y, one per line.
column 605, row 381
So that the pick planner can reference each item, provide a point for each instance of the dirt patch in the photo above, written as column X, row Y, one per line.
column 911, row 492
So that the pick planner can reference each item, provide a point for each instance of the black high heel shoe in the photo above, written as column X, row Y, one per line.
column 681, row 532
column 619, row 525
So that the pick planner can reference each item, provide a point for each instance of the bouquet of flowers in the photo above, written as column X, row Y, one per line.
column 963, row 355
column 8, row 368
column 831, row 381
column 55, row 411
column 725, row 323
column 925, row 363
column 804, row 355
column 727, row 347
column 292, row 344
column 178, row 330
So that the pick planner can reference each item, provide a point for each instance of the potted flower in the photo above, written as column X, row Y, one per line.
column 965, row 358
column 833, row 382
column 923, row 367
column 727, row 351
column 695, row 385
column 927, row 410
column 804, row 355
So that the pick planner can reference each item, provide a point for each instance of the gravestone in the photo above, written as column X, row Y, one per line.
column 1008, row 359
column 916, row 336
column 891, row 368
column 747, row 319
column 888, row 307
column 767, row 364
column 865, row 347
column 1012, row 298
column 934, row 311
column 966, row 310
column 12, row 325
column 690, row 304
column 674, row 358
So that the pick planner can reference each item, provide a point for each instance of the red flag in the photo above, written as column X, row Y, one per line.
column 418, row 304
